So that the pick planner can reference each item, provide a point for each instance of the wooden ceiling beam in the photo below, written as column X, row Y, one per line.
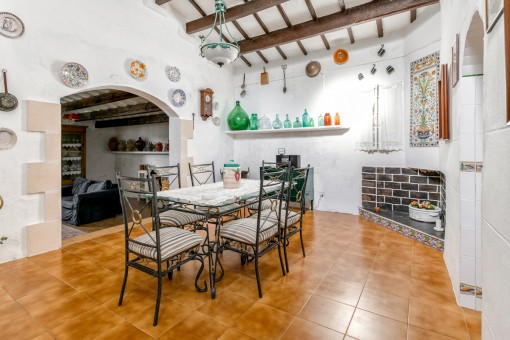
column 380, row 30
column 154, row 119
column 289, row 25
column 314, row 18
column 351, row 35
column 105, row 98
column 265, row 29
column 162, row 2
column 412, row 16
column 232, row 13
column 245, row 36
column 352, row 16
column 129, row 110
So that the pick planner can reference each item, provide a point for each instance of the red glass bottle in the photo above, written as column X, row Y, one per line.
column 337, row 119
column 327, row 119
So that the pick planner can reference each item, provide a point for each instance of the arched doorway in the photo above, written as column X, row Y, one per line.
column 44, row 117
column 471, row 165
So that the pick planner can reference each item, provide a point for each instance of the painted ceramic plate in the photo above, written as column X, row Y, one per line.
column 7, row 138
column 341, row 56
column 10, row 25
column 74, row 75
column 178, row 98
column 216, row 106
column 173, row 73
column 216, row 121
column 137, row 69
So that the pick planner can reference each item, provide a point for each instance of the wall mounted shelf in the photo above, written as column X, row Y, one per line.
column 139, row 152
column 323, row 129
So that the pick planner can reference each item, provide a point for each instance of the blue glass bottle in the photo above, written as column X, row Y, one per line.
column 297, row 123
column 277, row 123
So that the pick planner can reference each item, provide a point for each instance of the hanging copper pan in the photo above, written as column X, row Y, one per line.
column 8, row 102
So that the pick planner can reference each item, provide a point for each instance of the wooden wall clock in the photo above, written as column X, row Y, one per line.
column 206, row 103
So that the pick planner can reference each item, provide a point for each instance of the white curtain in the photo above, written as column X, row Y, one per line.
column 383, row 126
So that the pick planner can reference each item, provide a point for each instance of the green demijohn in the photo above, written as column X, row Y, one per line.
column 254, row 122
column 238, row 118
column 306, row 119
column 287, row 124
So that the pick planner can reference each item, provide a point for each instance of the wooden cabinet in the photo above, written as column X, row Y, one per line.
column 74, row 153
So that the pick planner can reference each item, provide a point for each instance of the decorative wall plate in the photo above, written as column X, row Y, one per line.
column 178, row 98
column 341, row 56
column 74, row 75
column 173, row 73
column 10, row 25
column 216, row 106
column 137, row 69
column 216, row 121
column 7, row 138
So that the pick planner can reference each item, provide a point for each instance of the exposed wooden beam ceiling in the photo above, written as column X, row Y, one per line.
column 245, row 36
column 314, row 18
column 341, row 3
column 289, row 25
column 231, row 14
column 352, row 16
column 380, row 31
column 154, row 119
column 264, row 28
column 124, row 111
column 413, row 16
column 201, row 11
column 105, row 98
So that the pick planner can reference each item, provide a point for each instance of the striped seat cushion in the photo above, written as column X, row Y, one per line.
column 173, row 241
column 174, row 218
column 221, row 210
column 291, row 219
column 266, row 204
column 245, row 230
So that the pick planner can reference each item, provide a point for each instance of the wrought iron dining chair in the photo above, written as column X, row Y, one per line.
column 171, row 214
column 254, row 237
column 204, row 174
column 201, row 173
column 147, row 245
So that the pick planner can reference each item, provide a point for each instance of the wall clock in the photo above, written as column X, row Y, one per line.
column 206, row 103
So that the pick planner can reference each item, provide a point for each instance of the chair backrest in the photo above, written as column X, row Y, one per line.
column 167, row 177
column 298, row 185
column 201, row 173
column 274, row 187
column 138, row 203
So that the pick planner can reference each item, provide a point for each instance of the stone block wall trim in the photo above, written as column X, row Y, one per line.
column 44, row 177
column 400, row 228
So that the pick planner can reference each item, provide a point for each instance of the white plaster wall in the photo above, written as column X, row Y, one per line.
column 337, row 89
column 495, row 231
column 102, row 36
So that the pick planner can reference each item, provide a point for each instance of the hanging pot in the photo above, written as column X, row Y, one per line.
column 313, row 68
column 8, row 102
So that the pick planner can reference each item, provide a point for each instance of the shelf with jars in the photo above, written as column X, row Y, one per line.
column 324, row 129
column 73, row 154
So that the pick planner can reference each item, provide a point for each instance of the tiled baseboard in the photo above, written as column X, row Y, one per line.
column 416, row 235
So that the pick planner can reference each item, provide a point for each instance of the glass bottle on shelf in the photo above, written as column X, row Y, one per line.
column 306, row 119
column 321, row 120
column 297, row 123
column 254, row 122
column 277, row 123
column 337, row 119
column 327, row 119
column 287, row 124
column 312, row 123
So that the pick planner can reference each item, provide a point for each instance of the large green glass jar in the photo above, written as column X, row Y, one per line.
column 238, row 118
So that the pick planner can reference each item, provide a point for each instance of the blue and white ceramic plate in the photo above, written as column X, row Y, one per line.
column 74, row 75
column 178, row 98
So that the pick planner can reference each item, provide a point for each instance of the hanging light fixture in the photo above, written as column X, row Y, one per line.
column 221, row 52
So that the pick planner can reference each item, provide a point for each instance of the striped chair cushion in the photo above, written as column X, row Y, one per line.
column 173, row 241
column 221, row 210
column 174, row 218
column 266, row 204
column 245, row 230
column 291, row 219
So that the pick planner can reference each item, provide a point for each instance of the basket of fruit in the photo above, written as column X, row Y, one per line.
column 424, row 211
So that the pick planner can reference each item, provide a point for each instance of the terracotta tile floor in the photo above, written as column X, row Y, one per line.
column 358, row 281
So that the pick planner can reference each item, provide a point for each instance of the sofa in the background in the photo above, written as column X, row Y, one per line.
column 89, row 201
